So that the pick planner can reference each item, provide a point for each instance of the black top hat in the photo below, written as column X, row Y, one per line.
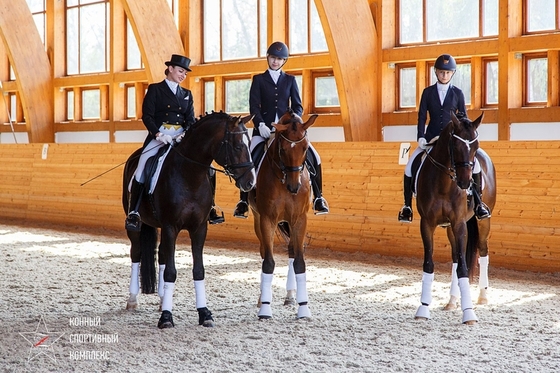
column 178, row 60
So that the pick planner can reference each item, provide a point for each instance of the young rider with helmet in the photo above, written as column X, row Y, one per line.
column 439, row 100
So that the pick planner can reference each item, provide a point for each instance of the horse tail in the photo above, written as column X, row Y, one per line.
column 148, row 242
column 472, row 245
column 284, row 230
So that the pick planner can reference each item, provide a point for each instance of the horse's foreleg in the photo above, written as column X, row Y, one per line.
column 160, row 284
column 296, row 240
column 167, row 249
column 483, row 279
column 197, row 243
column 134, row 286
column 290, row 299
column 427, row 232
column 469, row 316
column 268, row 264
column 454, row 292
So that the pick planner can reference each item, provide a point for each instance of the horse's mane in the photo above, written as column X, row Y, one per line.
column 220, row 115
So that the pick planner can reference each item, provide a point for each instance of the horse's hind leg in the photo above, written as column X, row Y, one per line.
column 134, row 286
column 290, row 299
column 454, row 292
column 483, row 260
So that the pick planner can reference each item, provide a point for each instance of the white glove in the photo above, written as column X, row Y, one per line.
column 264, row 131
column 166, row 139
column 422, row 143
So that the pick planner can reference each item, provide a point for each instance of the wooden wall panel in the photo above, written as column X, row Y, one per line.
column 362, row 182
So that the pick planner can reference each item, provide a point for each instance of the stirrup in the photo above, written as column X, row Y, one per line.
column 320, row 206
column 133, row 222
column 405, row 215
column 241, row 210
column 481, row 211
column 214, row 218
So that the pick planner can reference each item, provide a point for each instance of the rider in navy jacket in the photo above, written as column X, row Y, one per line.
column 439, row 100
column 272, row 93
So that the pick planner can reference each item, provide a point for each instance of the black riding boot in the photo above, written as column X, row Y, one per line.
column 405, row 215
column 242, row 208
column 213, row 217
column 320, row 205
column 133, row 222
column 481, row 211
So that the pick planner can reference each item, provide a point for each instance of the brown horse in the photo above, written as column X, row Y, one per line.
column 182, row 200
column 443, row 200
column 283, row 195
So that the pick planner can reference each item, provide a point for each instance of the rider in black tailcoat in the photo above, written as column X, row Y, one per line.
column 167, row 111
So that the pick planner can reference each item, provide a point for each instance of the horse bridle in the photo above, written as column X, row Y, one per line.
column 283, row 168
column 452, row 171
column 228, row 168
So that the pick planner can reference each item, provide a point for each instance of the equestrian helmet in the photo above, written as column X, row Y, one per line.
column 278, row 49
column 446, row 62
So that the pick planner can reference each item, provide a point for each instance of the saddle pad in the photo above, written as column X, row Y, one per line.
column 155, row 177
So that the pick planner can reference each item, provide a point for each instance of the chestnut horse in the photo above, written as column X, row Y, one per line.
column 182, row 200
column 282, row 195
column 442, row 199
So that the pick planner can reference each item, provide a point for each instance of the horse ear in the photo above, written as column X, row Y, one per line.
column 478, row 120
column 247, row 118
column 310, row 121
column 281, row 126
column 454, row 118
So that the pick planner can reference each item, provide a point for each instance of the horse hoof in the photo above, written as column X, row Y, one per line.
column 205, row 317
column 265, row 312
column 166, row 320
column 482, row 300
column 131, row 306
column 469, row 317
column 303, row 312
column 450, row 307
column 289, row 301
column 423, row 313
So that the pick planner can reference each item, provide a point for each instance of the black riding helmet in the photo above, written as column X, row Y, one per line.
column 278, row 49
column 446, row 62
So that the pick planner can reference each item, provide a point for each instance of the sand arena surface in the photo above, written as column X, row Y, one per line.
column 72, row 288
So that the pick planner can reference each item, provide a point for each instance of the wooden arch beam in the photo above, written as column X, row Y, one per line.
column 352, row 41
column 156, row 33
column 31, row 67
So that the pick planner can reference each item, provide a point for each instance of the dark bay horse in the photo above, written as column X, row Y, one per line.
column 182, row 200
column 442, row 200
column 283, row 195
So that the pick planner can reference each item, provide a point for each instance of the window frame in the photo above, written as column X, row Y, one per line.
column 526, row 82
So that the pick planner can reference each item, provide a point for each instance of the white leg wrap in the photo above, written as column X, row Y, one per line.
column 483, row 276
column 301, row 291
column 266, row 296
column 427, row 280
column 301, row 296
column 160, row 281
column 291, row 281
column 134, row 280
column 466, row 300
column 167, row 302
column 454, row 291
column 200, row 294
column 266, row 287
